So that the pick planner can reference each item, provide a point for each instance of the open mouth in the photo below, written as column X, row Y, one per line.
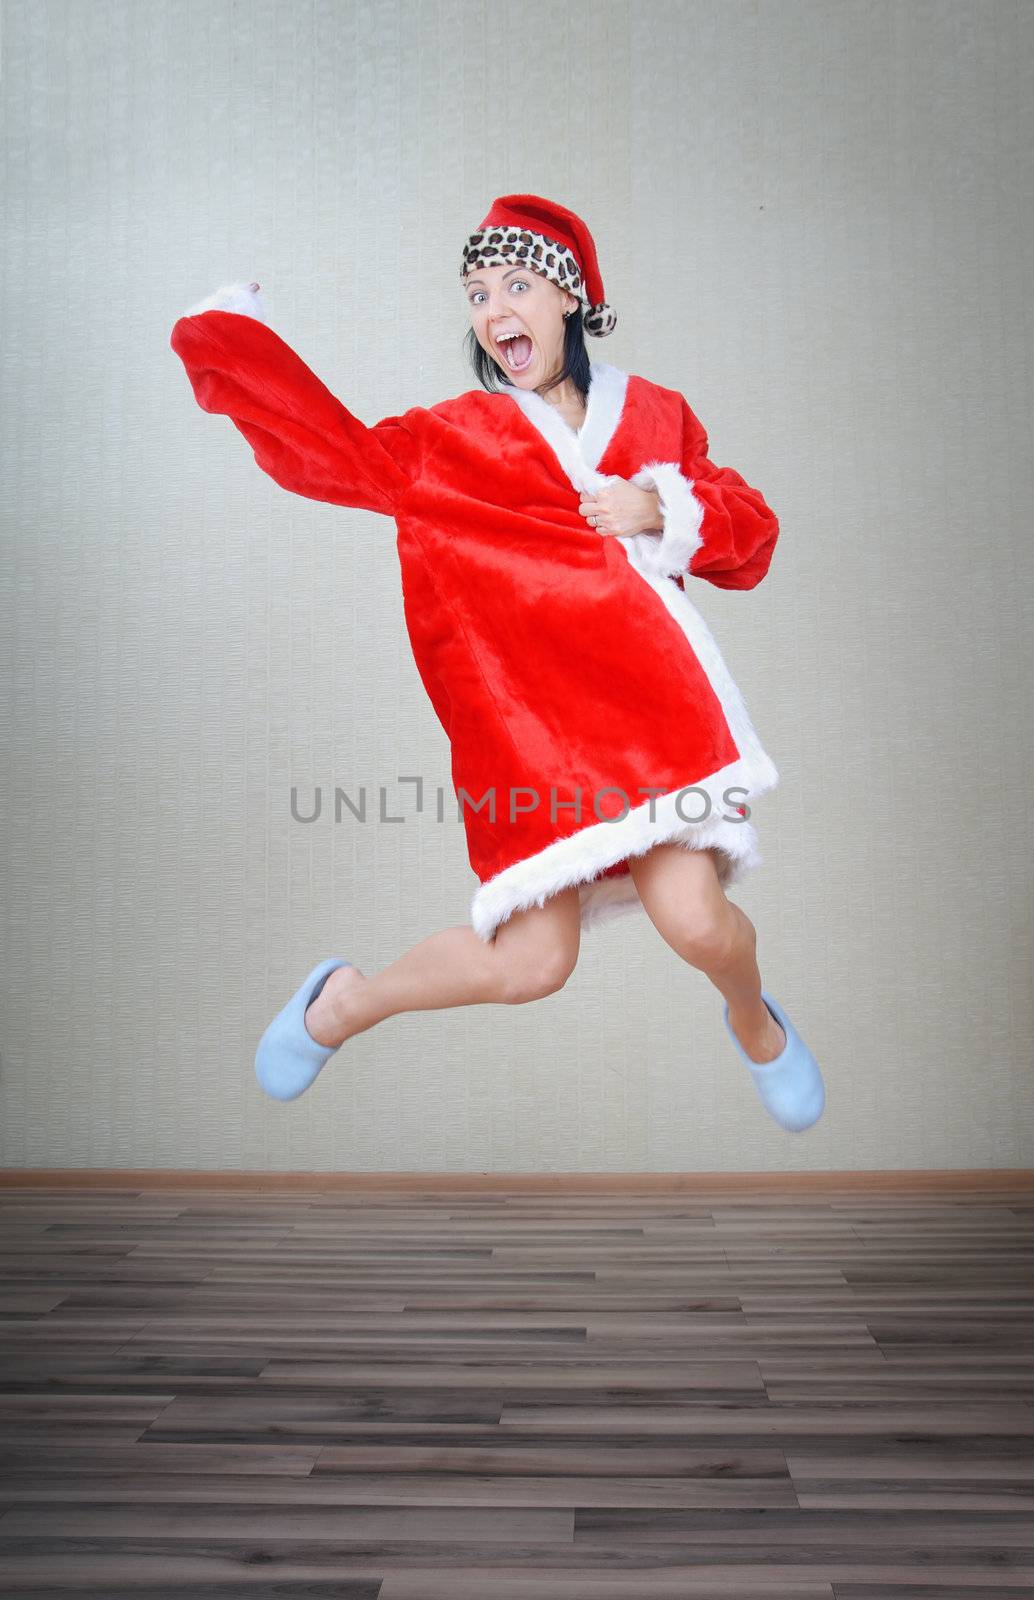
column 516, row 352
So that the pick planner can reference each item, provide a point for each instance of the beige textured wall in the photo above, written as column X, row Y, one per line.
column 814, row 220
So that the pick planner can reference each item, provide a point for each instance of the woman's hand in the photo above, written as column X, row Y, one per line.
column 622, row 508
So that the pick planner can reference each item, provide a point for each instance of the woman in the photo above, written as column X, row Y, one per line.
column 602, row 755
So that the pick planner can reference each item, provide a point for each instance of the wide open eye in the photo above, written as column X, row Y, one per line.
column 472, row 298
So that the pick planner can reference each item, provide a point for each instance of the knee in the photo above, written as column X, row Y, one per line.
column 532, row 976
column 710, row 937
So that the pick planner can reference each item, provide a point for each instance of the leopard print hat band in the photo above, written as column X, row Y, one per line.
column 525, row 229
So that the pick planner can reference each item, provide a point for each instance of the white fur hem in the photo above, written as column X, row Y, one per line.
column 581, row 857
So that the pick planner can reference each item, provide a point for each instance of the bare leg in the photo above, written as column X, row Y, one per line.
column 532, row 954
column 687, row 905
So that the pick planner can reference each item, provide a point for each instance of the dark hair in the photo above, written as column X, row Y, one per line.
column 575, row 362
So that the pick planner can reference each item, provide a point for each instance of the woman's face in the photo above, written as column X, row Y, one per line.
column 504, row 300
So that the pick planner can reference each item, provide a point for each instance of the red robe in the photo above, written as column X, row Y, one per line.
column 588, row 708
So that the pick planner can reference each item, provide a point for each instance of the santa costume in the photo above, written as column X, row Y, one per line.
column 589, row 710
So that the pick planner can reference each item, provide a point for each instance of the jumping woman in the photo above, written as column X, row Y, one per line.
column 602, row 755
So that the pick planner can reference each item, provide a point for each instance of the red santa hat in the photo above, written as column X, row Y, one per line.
column 525, row 229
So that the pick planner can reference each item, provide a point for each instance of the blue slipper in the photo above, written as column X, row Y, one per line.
column 288, row 1058
column 790, row 1085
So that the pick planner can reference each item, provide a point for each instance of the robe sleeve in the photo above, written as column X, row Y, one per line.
column 303, row 437
column 714, row 525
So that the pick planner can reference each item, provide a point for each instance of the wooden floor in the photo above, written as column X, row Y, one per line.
column 424, row 1396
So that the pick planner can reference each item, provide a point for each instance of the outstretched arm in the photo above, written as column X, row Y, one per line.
column 714, row 525
column 301, row 435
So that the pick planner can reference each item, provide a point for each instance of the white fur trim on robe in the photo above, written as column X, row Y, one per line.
column 682, row 515
column 243, row 298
